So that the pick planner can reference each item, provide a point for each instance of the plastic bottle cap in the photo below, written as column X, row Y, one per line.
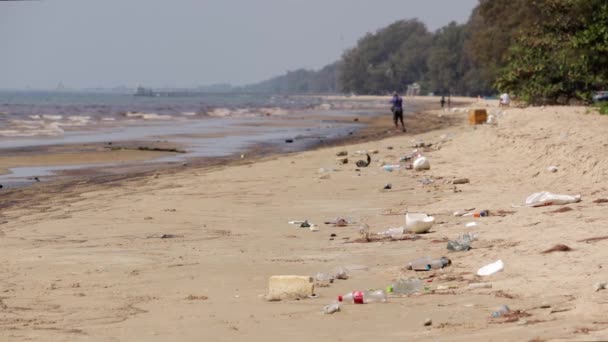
column 390, row 289
column 340, row 298
column 428, row 267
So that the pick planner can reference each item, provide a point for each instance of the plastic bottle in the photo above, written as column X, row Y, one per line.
column 483, row 213
column 364, row 297
column 390, row 168
column 462, row 243
column 331, row 308
column 503, row 310
column 428, row 263
column 405, row 286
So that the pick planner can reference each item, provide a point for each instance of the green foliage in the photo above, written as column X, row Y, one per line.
column 562, row 56
column 543, row 51
column 602, row 108
column 387, row 60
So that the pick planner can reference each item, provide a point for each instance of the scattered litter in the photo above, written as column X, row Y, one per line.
column 483, row 213
column 339, row 222
column 503, row 310
column 388, row 186
column 552, row 168
column 297, row 222
column 391, row 168
column 422, row 163
column 545, row 198
column 460, row 181
column 405, row 286
column 600, row 286
column 460, row 213
column 557, row 248
column 428, row 263
column 462, row 243
column 418, row 222
column 490, row 269
column 303, row 224
column 471, row 225
column 331, row 308
column 364, row 163
column 392, row 232
column 364, row 297
column 426, row 181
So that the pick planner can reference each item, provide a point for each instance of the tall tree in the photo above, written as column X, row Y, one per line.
column 563, row 55
column 447, row 63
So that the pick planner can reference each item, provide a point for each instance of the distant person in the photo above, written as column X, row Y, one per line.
column 442, row 101
column 505, row 100
column 397, row 109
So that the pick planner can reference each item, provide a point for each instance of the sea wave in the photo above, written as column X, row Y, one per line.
column 147, row 116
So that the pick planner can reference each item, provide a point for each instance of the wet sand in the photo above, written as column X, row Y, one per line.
column 87, row 260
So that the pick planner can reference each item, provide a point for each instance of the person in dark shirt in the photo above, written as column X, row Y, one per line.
column 397, row 109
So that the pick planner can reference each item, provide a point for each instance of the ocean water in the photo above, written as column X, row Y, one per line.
column 31, row 114
column 207, row 125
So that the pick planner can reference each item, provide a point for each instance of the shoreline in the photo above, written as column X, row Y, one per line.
column 104, row 159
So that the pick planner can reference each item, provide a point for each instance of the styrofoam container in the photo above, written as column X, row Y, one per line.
column 418, row 222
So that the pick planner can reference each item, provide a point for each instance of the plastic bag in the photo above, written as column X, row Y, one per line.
column 544, row 198
column 421, row 164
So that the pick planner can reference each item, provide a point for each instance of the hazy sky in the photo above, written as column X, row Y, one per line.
column 90, row 43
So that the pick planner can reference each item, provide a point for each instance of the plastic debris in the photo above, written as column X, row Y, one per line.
column 544, row 198
column 422, row 163
column 331, row 308
column 418, row 222
column 462, row 243
column 490, row 269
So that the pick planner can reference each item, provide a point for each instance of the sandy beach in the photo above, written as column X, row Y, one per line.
column 186, row 255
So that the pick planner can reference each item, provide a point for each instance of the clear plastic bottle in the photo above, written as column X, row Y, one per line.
column 428, row 263
column 405, row 286
column 503, row 310
column 364, row 297
column 462, row 243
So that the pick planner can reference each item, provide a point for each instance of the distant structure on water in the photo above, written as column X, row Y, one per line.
column 141, row 91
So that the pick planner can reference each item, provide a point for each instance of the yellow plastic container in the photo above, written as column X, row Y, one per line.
column 478, row 116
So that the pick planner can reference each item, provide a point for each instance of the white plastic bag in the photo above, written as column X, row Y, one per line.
column 491, row 268
column 421, row 164
column 544, row 198
column 418, row 223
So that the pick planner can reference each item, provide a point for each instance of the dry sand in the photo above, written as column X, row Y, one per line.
column 88, row 263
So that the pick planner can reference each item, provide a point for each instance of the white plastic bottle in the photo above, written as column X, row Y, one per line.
column 364, row 297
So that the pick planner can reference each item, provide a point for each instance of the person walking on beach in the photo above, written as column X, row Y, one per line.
column 397, row 109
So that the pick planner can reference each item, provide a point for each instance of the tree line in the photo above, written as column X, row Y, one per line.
column 542, row 51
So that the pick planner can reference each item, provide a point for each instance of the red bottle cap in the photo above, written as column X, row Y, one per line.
column 339, row 298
